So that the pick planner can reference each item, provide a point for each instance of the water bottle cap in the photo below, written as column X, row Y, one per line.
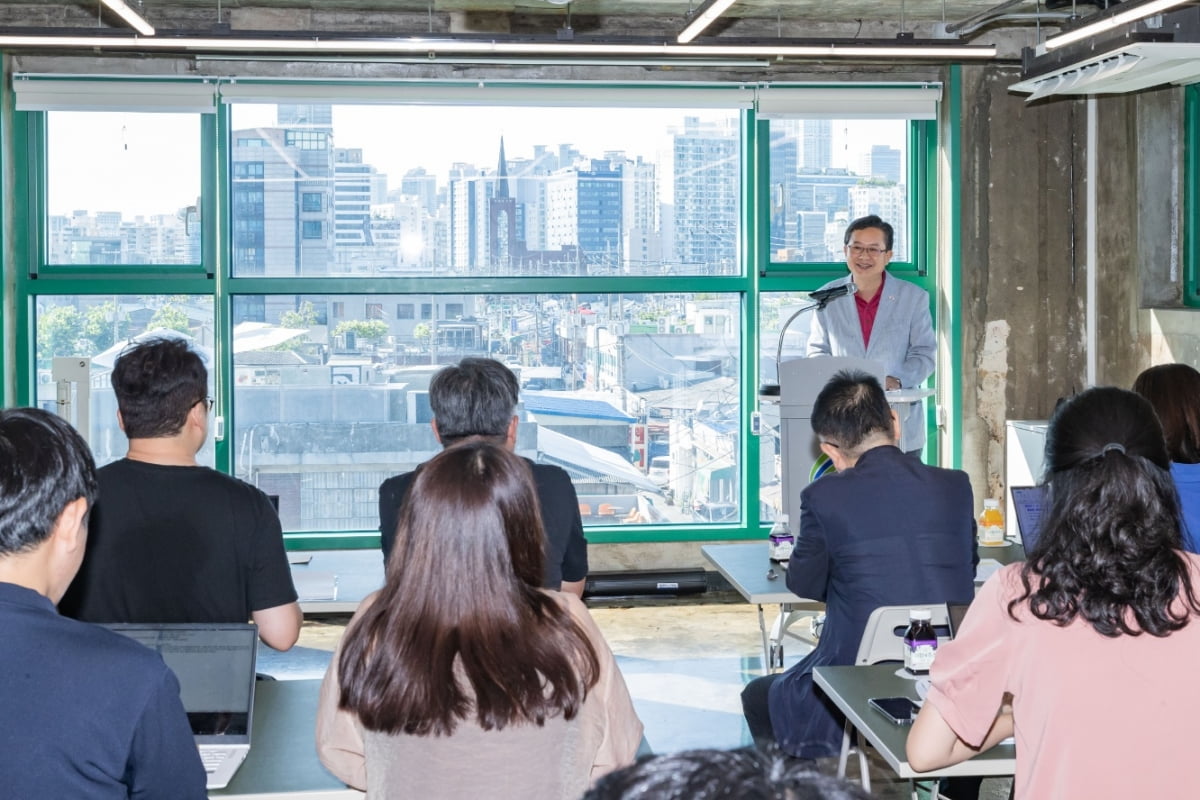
column 920, row 614
column 990, row 503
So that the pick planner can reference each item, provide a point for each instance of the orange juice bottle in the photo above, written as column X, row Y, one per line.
column 991, row 523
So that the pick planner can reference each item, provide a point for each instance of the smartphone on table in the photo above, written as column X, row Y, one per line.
column 900, row 710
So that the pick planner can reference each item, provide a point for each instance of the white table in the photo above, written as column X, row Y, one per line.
column 749, row 569
column 851, row 687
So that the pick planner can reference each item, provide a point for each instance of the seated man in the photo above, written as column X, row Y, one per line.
column 86, row 712
column 478, row 398
column 884, row 530
column 172, row 541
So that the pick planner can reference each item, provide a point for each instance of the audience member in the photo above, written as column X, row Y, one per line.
column 746, row 774
column 1174, row 391
column 172, row 541
column 883, row 530
column 477, row 399
column 1086, row 651
column 461, row 677
column 86, row 712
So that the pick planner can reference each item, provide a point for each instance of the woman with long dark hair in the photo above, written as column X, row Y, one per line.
column 461, row 677
column 1174, row 391
column 1087, row 652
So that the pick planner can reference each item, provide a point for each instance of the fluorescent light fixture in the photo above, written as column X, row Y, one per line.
column 706, row 17
column 135, row 20
column 1134, row 14
column 432, row 48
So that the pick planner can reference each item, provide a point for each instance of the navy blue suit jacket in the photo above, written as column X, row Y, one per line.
column 890, row 531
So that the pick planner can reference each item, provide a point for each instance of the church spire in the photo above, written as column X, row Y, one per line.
column 502, row 173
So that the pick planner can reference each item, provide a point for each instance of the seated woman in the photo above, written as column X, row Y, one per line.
column 1174, row 391
column 461, row 677
column 1087, row 651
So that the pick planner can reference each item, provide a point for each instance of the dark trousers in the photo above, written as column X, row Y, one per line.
column 755, row 707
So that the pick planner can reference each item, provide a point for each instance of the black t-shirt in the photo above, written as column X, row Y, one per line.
column 179, row 544
column 566, row 549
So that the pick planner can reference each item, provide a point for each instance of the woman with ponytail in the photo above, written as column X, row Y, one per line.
column 1086, row 652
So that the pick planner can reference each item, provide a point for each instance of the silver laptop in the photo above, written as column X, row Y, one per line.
column 215, row 667
column 1027, row 503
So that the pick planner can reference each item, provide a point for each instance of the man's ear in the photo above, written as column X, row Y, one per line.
column 120, row 421
column 895, row 426
column 510, row 438
column 69, row 533
column 436, row 433
column 835, row 455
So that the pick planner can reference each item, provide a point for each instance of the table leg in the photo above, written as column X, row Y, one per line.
column 762, row 629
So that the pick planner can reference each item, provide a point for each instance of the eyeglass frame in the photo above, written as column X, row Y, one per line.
column 859, row 250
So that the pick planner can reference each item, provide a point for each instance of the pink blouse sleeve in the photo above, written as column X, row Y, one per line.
column 971, row 674
column 339, row 738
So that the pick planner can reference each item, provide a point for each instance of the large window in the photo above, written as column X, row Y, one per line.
column 625, row 260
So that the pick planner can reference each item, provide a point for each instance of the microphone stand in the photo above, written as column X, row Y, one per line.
column 772, row 389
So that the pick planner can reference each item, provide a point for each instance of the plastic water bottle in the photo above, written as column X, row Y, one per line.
column 920, row 642
column 991, row 523
column 782, row 542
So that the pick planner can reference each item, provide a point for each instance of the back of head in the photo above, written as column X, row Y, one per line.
column 745, row 774
column 871, row 221
column 1109, row 542
column 461, row 628
column 1174, row 391
column 851, row 411
column 44, row 465
column 157, row 382
column 475, row 397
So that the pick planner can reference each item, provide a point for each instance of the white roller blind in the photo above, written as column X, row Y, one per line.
column 847, row 101
column 35, row 93
column 484, row 94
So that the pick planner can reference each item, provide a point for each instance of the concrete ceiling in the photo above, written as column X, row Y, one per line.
column 650, row 18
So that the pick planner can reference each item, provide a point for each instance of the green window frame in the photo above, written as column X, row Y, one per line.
column 215, row 278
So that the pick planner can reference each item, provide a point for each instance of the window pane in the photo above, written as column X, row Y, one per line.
column 99, row 327
column 122, row 188
column 419, row 191
column 825, row 173
column 636, row 396
column 775, row 309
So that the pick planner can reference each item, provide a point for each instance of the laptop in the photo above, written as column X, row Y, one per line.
column 215, row 667
column 1027, row 505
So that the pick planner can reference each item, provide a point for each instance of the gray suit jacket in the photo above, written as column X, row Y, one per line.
column 901, row 339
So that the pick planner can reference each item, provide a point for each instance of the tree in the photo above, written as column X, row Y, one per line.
column 368, row 329
column 169, row 316
column 58, row 333
column 422, row 332
column 304, row 317
column 105, row 325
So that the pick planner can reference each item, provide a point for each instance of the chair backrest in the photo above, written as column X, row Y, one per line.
column 883, row 638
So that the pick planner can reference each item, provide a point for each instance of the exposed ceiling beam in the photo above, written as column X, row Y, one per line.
column 705, row 16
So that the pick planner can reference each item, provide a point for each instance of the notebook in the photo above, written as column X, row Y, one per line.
column 1027, row 505
column 215, row 667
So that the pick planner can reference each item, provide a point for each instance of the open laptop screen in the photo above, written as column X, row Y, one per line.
column 215, row 667
column 1027, row 504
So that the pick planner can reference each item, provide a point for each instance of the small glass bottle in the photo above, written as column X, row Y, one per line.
column 781, row 541
column 991, row 523
column 920, row 642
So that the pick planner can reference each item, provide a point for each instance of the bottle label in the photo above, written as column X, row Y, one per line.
column 781, row 546
column 991, row 534
column 919, row 654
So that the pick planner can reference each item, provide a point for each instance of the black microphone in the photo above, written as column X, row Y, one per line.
column 823, row 296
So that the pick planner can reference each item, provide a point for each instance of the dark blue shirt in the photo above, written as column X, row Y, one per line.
column 85, row 712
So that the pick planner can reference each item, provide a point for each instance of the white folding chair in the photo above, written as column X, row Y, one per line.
column 882, row 640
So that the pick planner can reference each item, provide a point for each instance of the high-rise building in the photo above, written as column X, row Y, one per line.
column 706, row 195
column 885, row 163
column 888, row 202
column 818, row 144
column 784, row 168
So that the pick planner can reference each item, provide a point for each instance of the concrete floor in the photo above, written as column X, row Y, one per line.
column 685, row 663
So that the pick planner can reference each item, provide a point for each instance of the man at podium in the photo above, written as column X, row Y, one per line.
column 887, row 320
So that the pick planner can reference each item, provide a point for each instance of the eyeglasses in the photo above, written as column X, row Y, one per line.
column 858, row 250
column 208, row 403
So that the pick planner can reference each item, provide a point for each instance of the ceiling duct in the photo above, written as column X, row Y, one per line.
column 1155, row 51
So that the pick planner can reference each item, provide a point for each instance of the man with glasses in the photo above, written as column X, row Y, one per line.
column 173, row 541
column 884, row 530
column 886, row 320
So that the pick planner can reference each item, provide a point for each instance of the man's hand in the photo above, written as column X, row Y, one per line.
column 891, row 383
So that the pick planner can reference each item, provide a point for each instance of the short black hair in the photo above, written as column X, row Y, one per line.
column 475, row 397
column 746, row 774
column 871, row 221
column 850, row 408
column 44, row 465
column 157, row 382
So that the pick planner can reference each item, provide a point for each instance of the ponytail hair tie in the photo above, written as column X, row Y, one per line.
column 1120, row 448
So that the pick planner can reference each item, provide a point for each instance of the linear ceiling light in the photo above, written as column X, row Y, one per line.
column 136, row 20
column 706, row 15
column 435, row 47
column 1134, row 14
